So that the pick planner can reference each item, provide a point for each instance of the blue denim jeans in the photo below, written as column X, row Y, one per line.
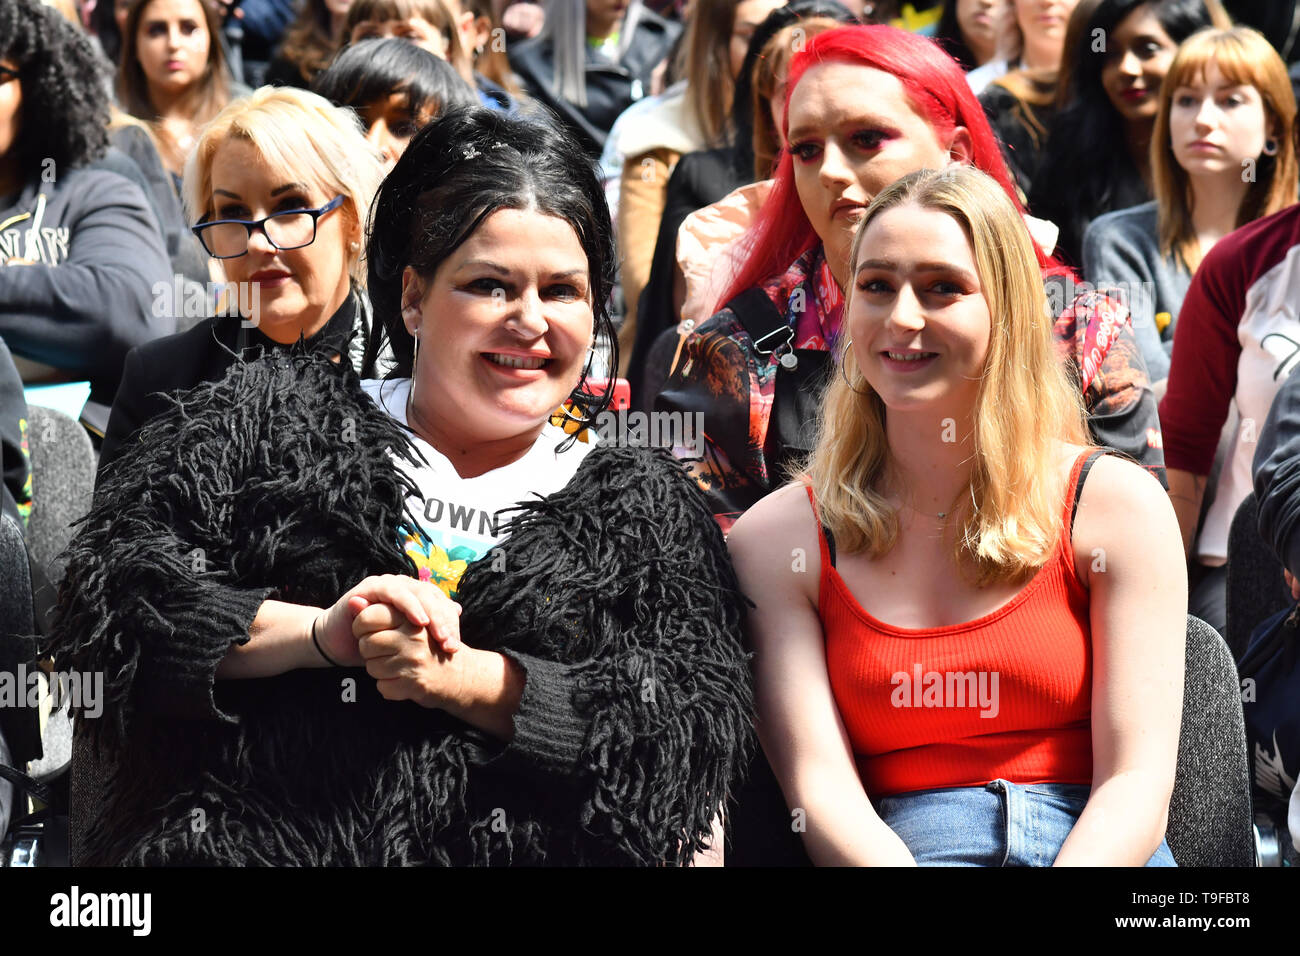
column 998, row 824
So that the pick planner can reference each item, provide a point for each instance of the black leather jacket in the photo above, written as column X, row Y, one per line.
column 611, row 87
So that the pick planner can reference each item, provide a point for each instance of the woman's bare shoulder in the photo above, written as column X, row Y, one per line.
column 785, row 511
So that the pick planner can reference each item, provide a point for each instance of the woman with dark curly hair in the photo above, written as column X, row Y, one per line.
column 410, row 620
column 80, row 250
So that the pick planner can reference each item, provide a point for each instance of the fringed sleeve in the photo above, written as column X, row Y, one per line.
column 271, row 483
column 619, row 601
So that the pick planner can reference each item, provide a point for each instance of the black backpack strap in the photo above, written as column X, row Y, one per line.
column 762, row 320
column 1078, row 487
column 799, row 386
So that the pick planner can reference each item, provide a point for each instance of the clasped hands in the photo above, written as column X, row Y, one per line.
column 405, row 632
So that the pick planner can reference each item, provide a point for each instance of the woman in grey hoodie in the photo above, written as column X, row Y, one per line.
column 80, row 249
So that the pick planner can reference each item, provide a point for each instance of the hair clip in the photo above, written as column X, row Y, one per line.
column 470, row 153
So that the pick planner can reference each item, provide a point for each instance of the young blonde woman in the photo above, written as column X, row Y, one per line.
column 1223, row 156
column 961, row 657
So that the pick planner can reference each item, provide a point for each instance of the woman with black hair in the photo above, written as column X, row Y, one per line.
column 583, row 700
column 1097, row 155
column 80, row 249
column 395, row 87
column 970, row 30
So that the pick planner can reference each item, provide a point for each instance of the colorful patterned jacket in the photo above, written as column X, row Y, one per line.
column 722, row 376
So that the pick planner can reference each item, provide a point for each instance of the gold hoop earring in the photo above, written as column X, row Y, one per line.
column 848, row 347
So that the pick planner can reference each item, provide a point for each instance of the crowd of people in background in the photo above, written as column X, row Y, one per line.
column 935, row 302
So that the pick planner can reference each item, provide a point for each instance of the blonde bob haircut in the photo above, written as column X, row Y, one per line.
column 307, row 138
column 1010, row 516
column 1244, row 58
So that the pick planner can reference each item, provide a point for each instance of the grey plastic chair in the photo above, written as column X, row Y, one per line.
column 1210, row 815
column 63, row 484
column 19, row 726
column 1255, row 587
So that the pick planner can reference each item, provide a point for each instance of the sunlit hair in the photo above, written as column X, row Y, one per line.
column 211, row 89
column 704, row 60
column 301, row 134
column 565, row 28
column 308, row 43
column 1010, row 516
column 437, row 13
column 1245, row 58
column 937, row 90
column 770, row 72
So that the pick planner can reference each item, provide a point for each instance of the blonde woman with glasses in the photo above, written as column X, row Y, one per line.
column 280, row 185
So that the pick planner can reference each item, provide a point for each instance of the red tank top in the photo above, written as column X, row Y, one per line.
column 1008, row 695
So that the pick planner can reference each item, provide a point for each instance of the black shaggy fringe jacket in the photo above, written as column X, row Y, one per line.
column 615, row 596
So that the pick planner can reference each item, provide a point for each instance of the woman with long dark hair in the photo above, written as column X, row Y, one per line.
column 971, row 30
column 1223, row 154
column 504, row 659
column 310, row 42
column 81, row 249
column 1096, row 158
column 173, row 73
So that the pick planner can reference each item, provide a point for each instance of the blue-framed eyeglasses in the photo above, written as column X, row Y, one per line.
column 291, row 229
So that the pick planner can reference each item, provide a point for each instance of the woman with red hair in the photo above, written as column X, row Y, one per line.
column 865, row 106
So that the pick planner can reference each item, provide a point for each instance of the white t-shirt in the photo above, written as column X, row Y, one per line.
column 460, row 517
